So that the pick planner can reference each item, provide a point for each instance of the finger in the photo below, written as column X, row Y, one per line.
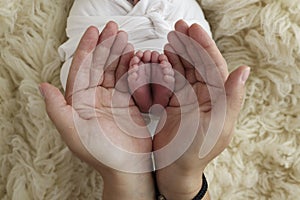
column 80, row 67
column 102, row 53
column 110, row 29
column 206, row 70
column 176, row 44
column 235, row 90
column 63, row 117
column 180, row 43
column 174, row 59
column 197, row 33
column 182, row 27
column 123, row 67
column 177, row 65
column 117, row 49
column 225, row 111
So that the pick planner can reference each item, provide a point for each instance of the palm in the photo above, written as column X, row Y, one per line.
column 105, row 116
column 94, row 107
column 199, row 96
column 186, row 105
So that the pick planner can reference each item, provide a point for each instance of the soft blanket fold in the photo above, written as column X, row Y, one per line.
column 147, row 23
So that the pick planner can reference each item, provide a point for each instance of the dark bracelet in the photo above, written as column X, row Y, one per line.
column 203, row 190
column 200, row 194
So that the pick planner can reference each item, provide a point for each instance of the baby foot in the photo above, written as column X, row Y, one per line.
column 139, row 80
column 151, row 81
column 162, row 82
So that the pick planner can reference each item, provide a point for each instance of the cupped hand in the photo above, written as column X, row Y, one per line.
column 199, row 121
column 97, row 101
column 97, row 119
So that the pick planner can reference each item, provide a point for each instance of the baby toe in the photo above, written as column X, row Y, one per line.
column 146, row 56
column 163, row 58
column 165, row 64
column 139, row 54
column 155, row 57
column 134, row 61
column 168, row 71
column 170, row 80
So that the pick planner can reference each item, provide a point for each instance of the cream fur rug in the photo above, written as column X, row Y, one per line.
column 263, row 160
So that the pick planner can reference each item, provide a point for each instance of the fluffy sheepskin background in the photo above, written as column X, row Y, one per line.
column 263, row 160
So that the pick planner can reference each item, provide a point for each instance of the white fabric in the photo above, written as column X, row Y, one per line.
column 147, row 23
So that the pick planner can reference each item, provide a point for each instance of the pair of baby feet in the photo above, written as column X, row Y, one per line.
column 151, row 81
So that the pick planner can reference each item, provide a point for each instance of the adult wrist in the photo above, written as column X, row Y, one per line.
column 128, row 186
column 181, row 186
column 201, row 195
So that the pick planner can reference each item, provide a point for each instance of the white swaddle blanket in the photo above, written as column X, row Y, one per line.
column 147, row 23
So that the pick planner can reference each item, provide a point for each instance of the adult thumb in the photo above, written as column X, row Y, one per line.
column 57, row 108
column 235, row 91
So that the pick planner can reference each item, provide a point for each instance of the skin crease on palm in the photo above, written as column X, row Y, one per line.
column 74, row 120
column 190, row 165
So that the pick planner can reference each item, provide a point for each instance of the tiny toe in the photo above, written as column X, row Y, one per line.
column 167, row 68
column 163, row 57
column 168, row 71
column 169, row 79
column 147, row 56
column 135, row 60
column 155, row 57
column 132, row 77
column 165, row 64
column 139, row 54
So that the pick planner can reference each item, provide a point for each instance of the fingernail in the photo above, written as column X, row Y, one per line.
column 41, row 91
column 245, row 75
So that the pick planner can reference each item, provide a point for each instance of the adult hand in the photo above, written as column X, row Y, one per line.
column 85, row 117
column 203, row 110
